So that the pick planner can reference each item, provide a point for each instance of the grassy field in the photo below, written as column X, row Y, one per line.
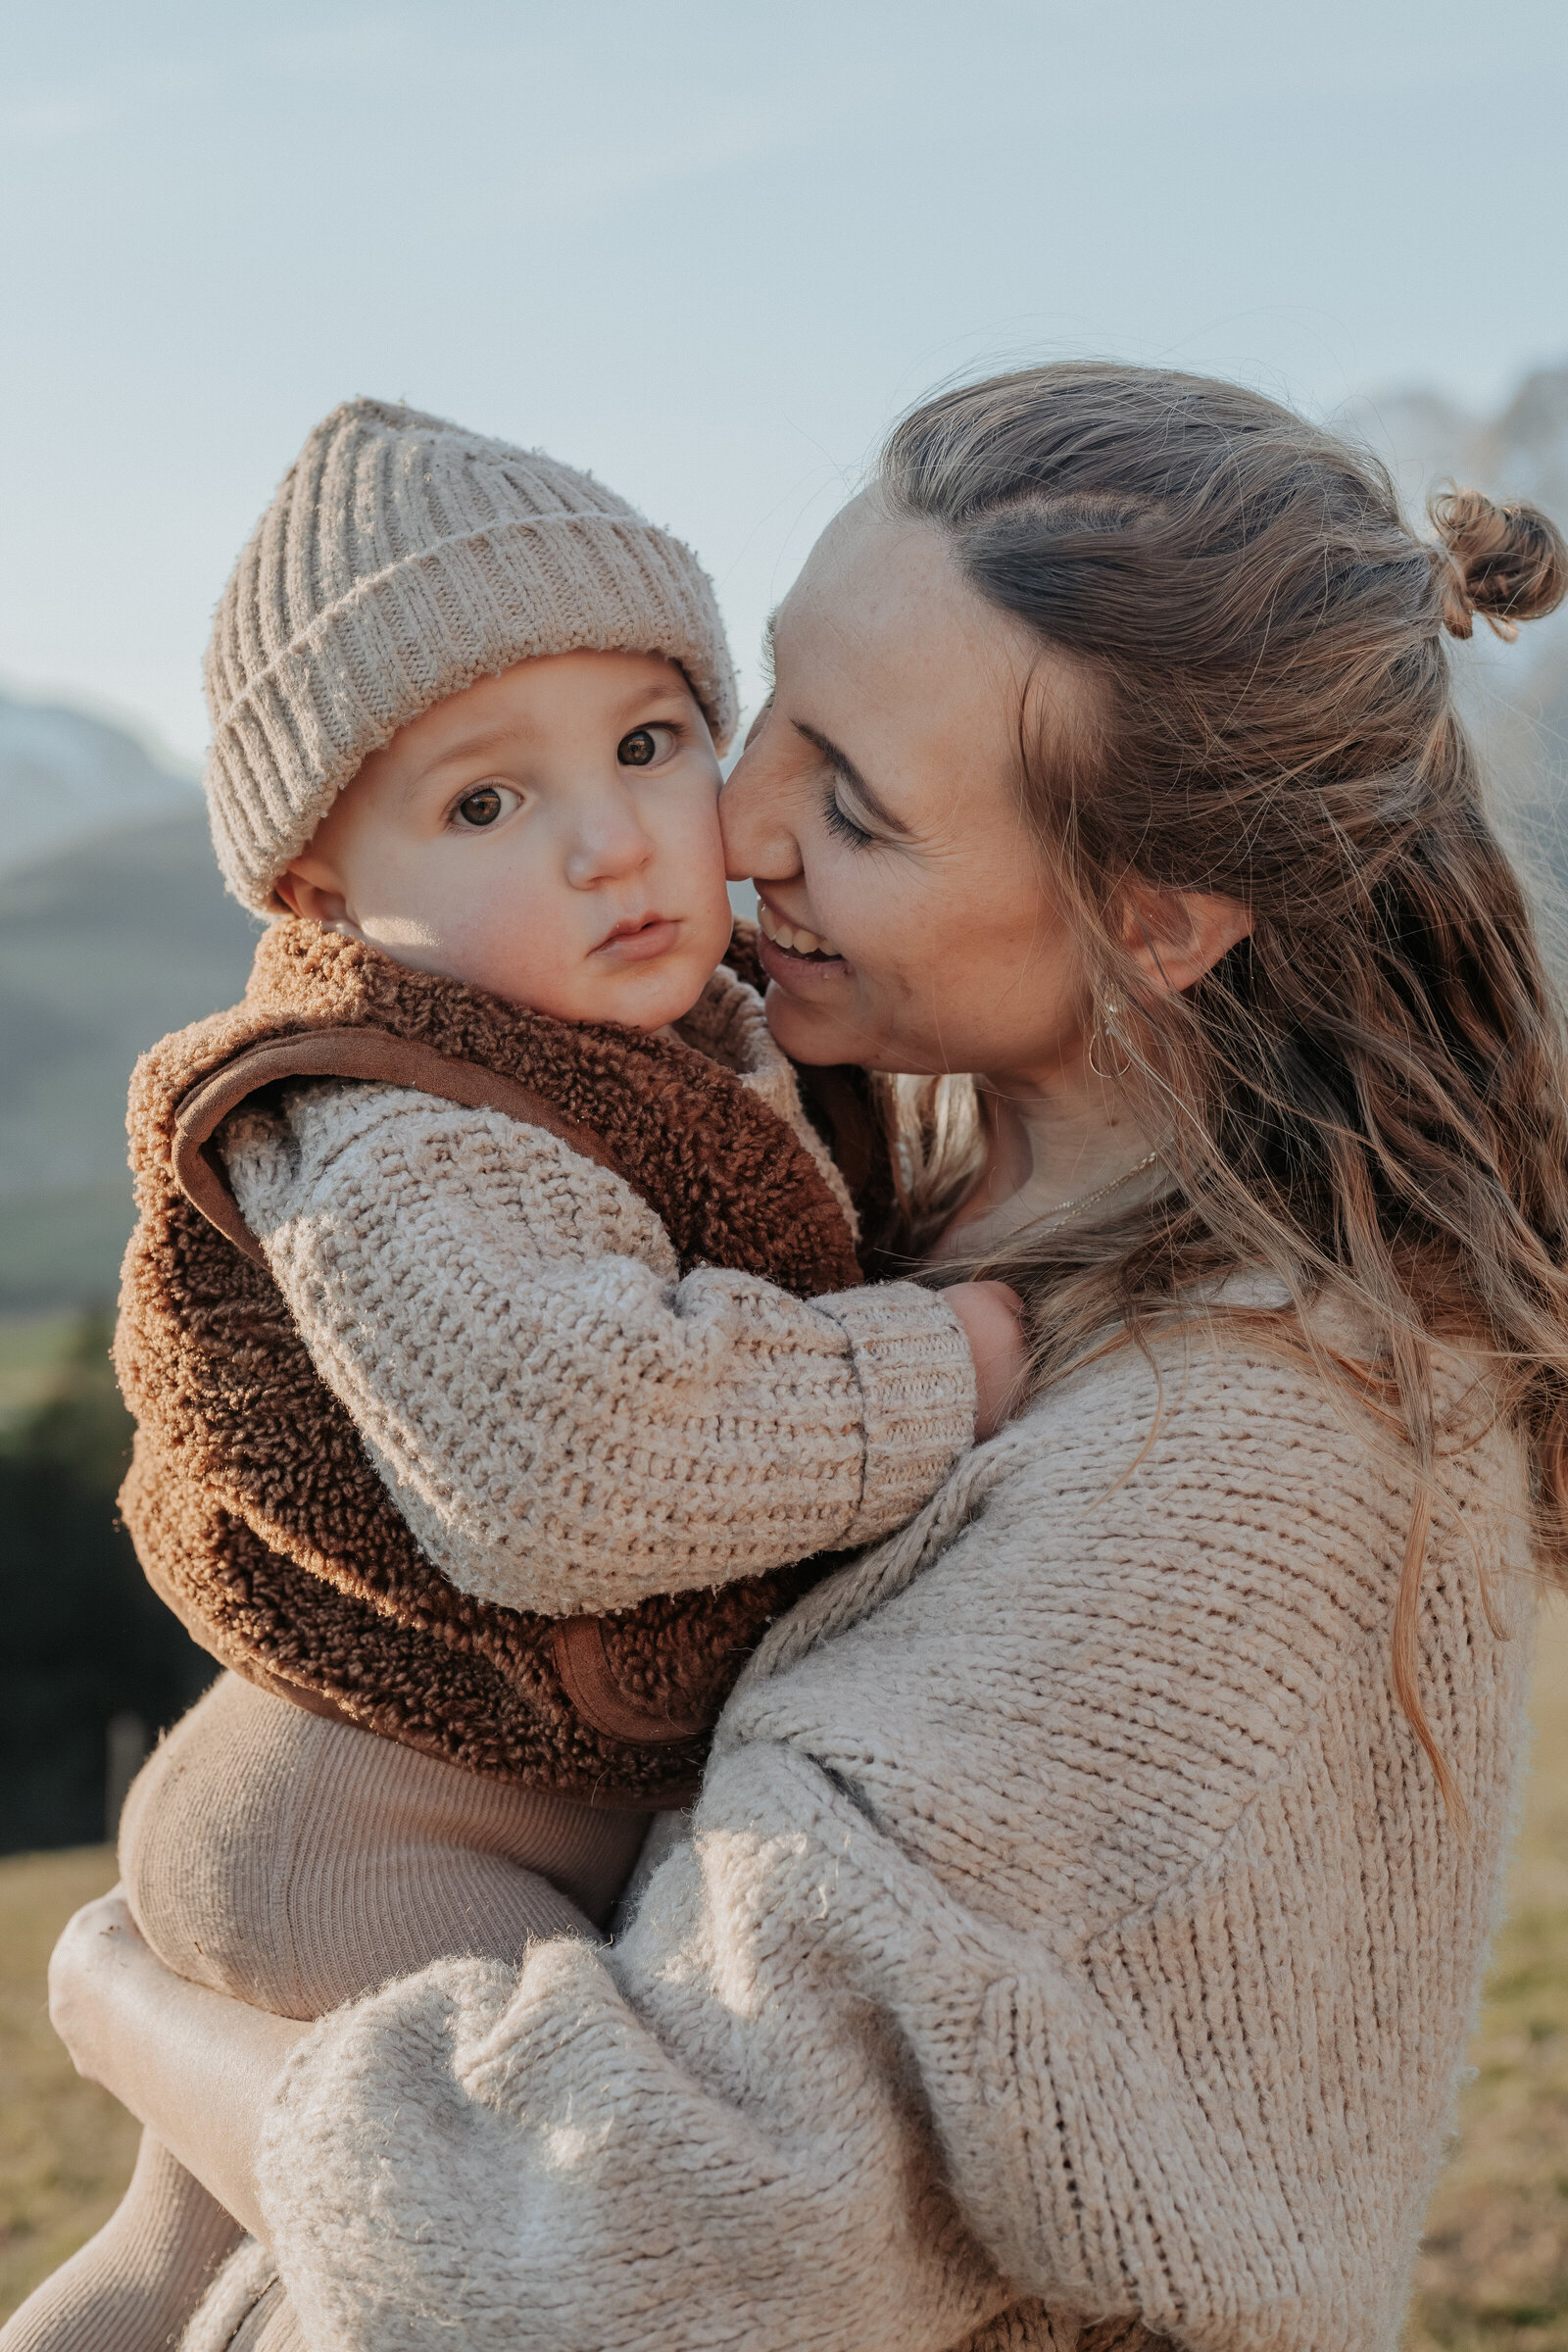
column 1494, row 2274
column 65, row 2147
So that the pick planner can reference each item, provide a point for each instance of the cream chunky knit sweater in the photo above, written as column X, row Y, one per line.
column 565, row 1424
column 1070, row 1928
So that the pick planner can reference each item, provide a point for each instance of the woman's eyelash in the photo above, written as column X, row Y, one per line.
column 840, row 822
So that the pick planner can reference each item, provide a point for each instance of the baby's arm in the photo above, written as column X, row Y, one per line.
column 565, row 1424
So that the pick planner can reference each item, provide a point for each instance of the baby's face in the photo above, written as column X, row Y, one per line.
column 550, row 835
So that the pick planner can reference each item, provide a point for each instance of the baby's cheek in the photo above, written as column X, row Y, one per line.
column 515, row 943
column 700, row 870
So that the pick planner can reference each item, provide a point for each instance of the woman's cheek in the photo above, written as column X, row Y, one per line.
column 872, row 940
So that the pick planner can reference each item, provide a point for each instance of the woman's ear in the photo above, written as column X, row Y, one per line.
column 1176, row 936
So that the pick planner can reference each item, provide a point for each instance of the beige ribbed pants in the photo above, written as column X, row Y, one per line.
column 297, row 1863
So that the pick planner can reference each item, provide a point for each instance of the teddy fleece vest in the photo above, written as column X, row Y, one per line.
column 255, row 1509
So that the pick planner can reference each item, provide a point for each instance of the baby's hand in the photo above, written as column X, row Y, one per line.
column 992, row 1316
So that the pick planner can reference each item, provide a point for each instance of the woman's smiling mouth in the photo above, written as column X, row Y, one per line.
column 793, row 938
column 792, row 954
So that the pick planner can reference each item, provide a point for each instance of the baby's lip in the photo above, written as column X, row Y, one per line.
column 639, row 935
column 630, row 924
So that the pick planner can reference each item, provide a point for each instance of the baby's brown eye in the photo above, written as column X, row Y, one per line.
column 645, row 747
column 482, row 807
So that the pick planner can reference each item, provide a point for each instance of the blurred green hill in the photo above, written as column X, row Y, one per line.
column 103, row 950
column 114, row 929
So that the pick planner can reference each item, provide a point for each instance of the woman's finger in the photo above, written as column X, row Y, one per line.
column 95, row 1946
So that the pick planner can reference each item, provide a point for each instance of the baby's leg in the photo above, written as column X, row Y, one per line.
column 132, row 2287
column 298, row 1863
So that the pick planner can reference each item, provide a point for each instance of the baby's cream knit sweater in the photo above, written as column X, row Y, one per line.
column 565, row 1424
column 1069, row 1927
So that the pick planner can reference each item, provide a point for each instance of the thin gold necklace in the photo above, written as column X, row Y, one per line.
column 1068, row 1208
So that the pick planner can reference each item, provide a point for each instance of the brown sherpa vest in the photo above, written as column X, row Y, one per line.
column 255, row 1509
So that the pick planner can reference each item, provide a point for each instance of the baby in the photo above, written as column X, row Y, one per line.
column 492, row 1325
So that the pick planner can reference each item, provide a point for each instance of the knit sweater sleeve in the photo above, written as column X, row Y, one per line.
column 563, row 1422
column 1069, row 1926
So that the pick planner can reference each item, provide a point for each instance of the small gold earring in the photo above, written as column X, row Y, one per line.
column 1106, row 1027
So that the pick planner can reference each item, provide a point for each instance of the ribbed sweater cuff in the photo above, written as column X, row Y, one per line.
column 917, row 1389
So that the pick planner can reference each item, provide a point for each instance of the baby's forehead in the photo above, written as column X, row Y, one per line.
column 531, row 703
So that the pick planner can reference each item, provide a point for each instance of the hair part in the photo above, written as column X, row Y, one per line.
column 1366, row 1096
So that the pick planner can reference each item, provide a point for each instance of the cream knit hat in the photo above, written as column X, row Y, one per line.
column 401, row 559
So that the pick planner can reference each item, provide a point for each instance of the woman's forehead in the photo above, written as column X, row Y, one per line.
column 869, row 561
column 883, row 595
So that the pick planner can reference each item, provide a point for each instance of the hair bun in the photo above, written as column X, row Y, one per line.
column 1509, row 563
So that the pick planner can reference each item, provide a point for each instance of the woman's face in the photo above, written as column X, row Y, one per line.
column 878, row 809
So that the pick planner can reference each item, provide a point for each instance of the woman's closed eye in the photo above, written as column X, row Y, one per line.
column 839, row 821
column 485, row 805
column 646, row 747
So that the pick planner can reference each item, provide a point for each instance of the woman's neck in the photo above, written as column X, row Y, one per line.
column 1050, row 1146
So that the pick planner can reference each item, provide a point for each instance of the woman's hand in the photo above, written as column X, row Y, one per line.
column 195, row 2067
column 88, row 1970
column 992, row 1316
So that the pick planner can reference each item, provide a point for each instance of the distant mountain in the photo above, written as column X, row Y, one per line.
column 100, row 952
column 66, row 777
column 1516, row 696
column 1521, row 453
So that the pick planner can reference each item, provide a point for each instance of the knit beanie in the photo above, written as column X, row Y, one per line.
column 401, row 559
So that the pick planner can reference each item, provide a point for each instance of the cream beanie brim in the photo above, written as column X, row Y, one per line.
column 401, row 559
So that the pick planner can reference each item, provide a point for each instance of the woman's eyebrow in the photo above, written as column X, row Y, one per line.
column 870, row 800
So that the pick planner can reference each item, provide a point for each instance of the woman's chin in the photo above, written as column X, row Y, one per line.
column 816, row 1031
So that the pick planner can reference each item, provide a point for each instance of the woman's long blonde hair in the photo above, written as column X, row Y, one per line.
column 1368, row 1093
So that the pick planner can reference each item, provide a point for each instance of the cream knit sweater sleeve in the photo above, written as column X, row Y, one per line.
column 1070, row 1926
column 565, row 1424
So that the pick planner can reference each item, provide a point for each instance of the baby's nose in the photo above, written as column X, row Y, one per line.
column 611, row 846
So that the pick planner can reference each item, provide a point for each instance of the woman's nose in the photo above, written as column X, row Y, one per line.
column 758, row 832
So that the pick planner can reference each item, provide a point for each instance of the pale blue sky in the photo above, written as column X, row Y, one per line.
column 708, row 249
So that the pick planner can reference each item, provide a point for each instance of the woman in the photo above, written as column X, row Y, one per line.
column 1075, row 1941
